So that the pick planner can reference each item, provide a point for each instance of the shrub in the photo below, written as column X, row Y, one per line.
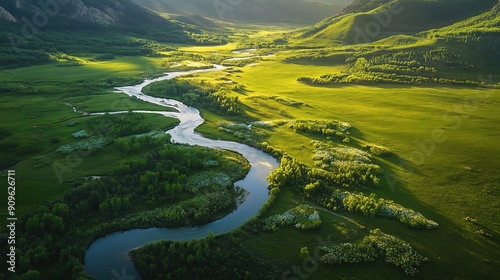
column 377, row 245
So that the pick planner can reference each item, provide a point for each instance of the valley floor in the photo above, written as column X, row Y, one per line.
column 443, row 161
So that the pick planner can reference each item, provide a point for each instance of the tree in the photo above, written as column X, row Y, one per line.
column 61, row 210
column 304, row 253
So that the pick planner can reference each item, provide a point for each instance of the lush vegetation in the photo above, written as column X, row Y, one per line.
column 408, row 67
column 143, row 191
column 322, row 186
column 412, row 102
column 201, row 95
column 302, row 217
column 211, row 258
column 376, row 245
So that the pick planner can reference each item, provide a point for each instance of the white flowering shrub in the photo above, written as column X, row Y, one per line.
column 154, row 134
column 405, row 215
column 377, row 245
column 80, row 134
column 91, row 144
column 351, row 167
column 327, row 128
column 302, row 217
column 208, row 179
column 373, row 206
column 40, row 161
column 242, row 131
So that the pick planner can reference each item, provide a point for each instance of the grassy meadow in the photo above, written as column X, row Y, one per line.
column 452, row 176
column 446, row 180
column 42, row 120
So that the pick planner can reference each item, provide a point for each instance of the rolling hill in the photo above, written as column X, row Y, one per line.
column 366, row 21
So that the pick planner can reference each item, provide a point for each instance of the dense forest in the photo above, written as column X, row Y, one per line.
column 168, row 180
column 208, row 258
column 202, row 95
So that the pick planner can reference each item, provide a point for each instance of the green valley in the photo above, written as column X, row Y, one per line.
column 362, row 146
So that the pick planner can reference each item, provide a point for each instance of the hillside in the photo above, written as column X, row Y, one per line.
column 254, row 11
column 367, row 21
column 458, row 54
column 85, row 13
column 112, row 27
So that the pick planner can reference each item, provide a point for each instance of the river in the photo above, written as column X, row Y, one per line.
column 107, row 258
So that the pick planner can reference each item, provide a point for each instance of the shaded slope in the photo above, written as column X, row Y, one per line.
column 366, row 21
column 249, row 11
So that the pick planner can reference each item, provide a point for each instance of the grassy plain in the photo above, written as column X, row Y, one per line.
column 447, row 179
column 42, row 119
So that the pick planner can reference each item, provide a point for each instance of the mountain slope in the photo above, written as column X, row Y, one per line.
column 34, row 35
column 250, row 11
column 86, row 13
column 458, row 54
column 371, row 20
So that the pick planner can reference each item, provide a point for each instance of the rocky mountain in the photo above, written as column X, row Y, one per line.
column 77, row 12
column 5, row 15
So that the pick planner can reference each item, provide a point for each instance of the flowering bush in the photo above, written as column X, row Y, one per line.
column 40, row 161
column 80, row 134
column 241, row 130
column 208, row 179
column 376, row 245
column 351, row 167
column 371, row 205
column 302, row 217
column 405, row 215
column 91, row 144
column 327, row 128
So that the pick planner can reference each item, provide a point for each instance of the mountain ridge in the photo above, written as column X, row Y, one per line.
column 251, row 11
column 371, row 20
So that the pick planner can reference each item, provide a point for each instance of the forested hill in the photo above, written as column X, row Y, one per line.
column 32, row 33
column 251, row 11
column 391, row 17
column 81, row 13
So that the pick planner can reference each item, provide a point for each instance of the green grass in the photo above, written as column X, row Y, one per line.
column 457, row 180
column 122, row 66
column 25, row 118
column 112, row 102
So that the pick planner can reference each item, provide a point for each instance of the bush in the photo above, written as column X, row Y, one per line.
column 377, row 245
column 302, row 217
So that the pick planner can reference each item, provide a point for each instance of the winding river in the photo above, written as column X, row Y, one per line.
column 107, row 258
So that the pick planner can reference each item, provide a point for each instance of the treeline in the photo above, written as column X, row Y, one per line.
column 36, row 50
column 324, row 187
column 201, row 96
column 10, row 58
column 118, row 125
column 220, row 257
column 375, row 246
column 364, row 78
column 57, row 232
column 483, row 44
column 68, row 89
column 331, row 129
column 404, row 67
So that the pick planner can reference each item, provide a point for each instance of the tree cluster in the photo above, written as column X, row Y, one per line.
column 217, row 101
column 58, row 232
column 220, row 257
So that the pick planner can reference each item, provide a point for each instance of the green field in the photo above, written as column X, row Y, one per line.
column 453, row 181
column 447, row 180
column 442, row 141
